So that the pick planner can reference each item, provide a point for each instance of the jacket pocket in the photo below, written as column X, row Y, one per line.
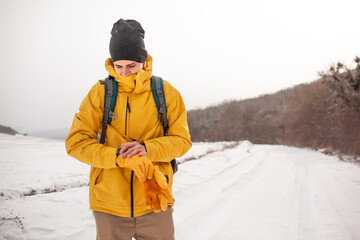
column 166, row 169
column 113, row 187
column 95, row 175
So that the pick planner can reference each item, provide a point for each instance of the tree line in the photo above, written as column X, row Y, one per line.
column 324, row 114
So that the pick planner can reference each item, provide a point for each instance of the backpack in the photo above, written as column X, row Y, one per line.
column 157, row 88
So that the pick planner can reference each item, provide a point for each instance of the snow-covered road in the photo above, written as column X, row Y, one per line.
column 242, row 192
column 274, row 192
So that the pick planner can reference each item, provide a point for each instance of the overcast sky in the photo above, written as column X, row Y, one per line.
column 53, row 51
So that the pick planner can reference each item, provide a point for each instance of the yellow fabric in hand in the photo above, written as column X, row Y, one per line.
column 141, row 165
column 157, row 192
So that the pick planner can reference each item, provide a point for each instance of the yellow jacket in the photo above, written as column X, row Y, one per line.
column 112, row 189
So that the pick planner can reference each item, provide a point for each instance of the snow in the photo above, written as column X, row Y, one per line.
column 223, row 190
column 32, row 164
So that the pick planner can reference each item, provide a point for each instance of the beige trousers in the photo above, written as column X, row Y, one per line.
column 151, row 226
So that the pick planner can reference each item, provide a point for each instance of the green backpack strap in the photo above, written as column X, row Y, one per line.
column 111, row 89
column 157, row 88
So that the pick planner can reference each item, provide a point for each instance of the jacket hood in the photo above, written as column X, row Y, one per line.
column 137, row 83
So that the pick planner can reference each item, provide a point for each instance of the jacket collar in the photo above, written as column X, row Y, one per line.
column 136, row 83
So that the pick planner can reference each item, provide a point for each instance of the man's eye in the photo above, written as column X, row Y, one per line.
column 117, row 66
column 132, row 66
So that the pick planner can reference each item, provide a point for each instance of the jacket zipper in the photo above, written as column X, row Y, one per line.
column 132, row 193
column 126, row 114
column 132, row 172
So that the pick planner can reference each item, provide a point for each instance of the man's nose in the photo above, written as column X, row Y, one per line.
column 126, row 72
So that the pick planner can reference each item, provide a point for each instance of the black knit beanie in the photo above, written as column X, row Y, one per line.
column 127, row 41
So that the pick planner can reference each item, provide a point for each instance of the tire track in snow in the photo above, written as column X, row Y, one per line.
column 305, row 222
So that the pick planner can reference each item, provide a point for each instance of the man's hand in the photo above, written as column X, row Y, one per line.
column 141, row 165
column 157, row 192
column 130, row 149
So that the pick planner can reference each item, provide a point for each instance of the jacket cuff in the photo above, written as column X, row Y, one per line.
column 117, row 155
column 144, row 146
column 118, row 152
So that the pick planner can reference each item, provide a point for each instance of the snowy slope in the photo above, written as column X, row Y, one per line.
column 222, row 191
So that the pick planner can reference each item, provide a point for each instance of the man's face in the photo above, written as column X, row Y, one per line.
column 126, row 68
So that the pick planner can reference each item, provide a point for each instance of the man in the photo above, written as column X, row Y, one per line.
column 135, row 158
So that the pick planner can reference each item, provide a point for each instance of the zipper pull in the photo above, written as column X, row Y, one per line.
column 128, row 106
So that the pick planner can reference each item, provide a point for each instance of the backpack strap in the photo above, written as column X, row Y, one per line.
column 109, row 105
column 157, row 88
column 159, row 95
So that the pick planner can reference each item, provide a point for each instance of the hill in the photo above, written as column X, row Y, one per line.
column 321, row 114
column 60, row 134
column 7, row 130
